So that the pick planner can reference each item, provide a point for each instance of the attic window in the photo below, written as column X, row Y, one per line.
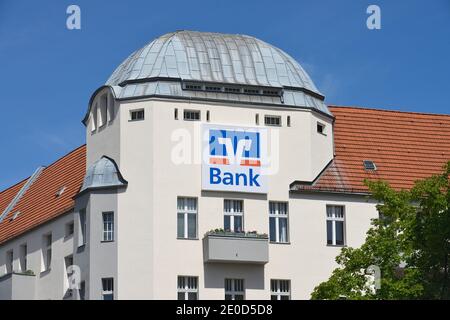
column 60, row 191
column 15, row 216
column 213, row 89
column 369, row 165
column 232, row 90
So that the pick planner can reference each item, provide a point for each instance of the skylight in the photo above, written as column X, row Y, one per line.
column 369, row 165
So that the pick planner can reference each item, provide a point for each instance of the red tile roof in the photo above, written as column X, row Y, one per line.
column 405, row 147
column 40, row 204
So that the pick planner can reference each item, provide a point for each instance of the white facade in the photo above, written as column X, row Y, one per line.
column 160, row 158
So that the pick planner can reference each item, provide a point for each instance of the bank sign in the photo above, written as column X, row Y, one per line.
column 233, row 159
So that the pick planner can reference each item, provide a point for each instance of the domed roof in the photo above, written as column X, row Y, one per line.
column 103, row 173
column 217, row 58
column 213, row 57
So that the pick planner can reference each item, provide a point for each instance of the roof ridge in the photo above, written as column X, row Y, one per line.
column 390, row 110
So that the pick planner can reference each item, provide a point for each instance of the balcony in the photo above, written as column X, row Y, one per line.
column 17, row 286
column 235, row 247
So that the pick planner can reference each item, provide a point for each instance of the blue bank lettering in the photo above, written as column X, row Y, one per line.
column 230, row 179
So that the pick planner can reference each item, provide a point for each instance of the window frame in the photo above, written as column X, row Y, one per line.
column 268, row 116
column 137, row 111
column 277, row 216
column 82, row 220
column 186, row 289
column 191, row 111
column 185, row 211
column 232, row 290
column 232, row 214
column 47, row 241
column 323, row 127
column 23, row 253
column 9, row 263
column 110, row 230
column 109, row 290
column 278, row 293
column 333, row 220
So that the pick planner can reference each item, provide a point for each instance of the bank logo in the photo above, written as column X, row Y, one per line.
column 228, row 147
column 233, row 161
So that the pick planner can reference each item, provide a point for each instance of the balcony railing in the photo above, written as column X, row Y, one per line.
column 235, row 247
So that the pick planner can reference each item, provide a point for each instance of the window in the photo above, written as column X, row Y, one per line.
column 232, row 90
column 251, row 91
column 136, row 115
column 280, row 289
column 175, row 114
column 23, row 257
column 82, row 290
column 94, row 118
column 60, row 191
column 9, row 261
column 320, row 128
column 111, row 110
column 234, row 289
column 108, row 226
column 82, row 236
column 278, row 220
column 207, row 115
column 272, row 121
column 187, row 288
column 257, row 119
column 187, row 218
column 68, row 261
column 288, row 121
column 335, row 225
column 102, row 111
column 69, row 229
column 46, row 252
column 233, row 215
column 108, row 288
column 192, row 115
column 369, row 165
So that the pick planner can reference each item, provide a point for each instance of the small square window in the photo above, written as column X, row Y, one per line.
column 320, row 128
column 69, row 229
column 136, row 115
column 191, row 115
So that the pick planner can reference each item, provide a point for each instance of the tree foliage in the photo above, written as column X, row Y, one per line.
column 409, row 242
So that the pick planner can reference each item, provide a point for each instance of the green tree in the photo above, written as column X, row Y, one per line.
column 409, row 242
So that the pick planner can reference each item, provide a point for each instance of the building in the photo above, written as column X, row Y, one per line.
column 196, row 141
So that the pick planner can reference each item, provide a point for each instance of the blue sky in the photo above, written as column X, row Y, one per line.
column 47, row 72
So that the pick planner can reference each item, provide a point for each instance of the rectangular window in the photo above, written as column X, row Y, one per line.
column 82, row 290
column 335, row 225
column 234, row 289
column 93, row 118
column 288, row 121
column 111, row 112
column 192, row 115
column 46, row 252
column 136, row 115
column 278, row 222
column 233, row 215
column 272, row 121
column 69, row 229
column 108, row 289
column 108, row 226
column 280, row 289
column 257, row 119
column 9, row 261
column 68, row 261
column 23, row 257
column 82, row 236
column 320, row 128
column 102, row 111
column 175, row 114
column 207, row 116
column 186, row 218
column 187, row 288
